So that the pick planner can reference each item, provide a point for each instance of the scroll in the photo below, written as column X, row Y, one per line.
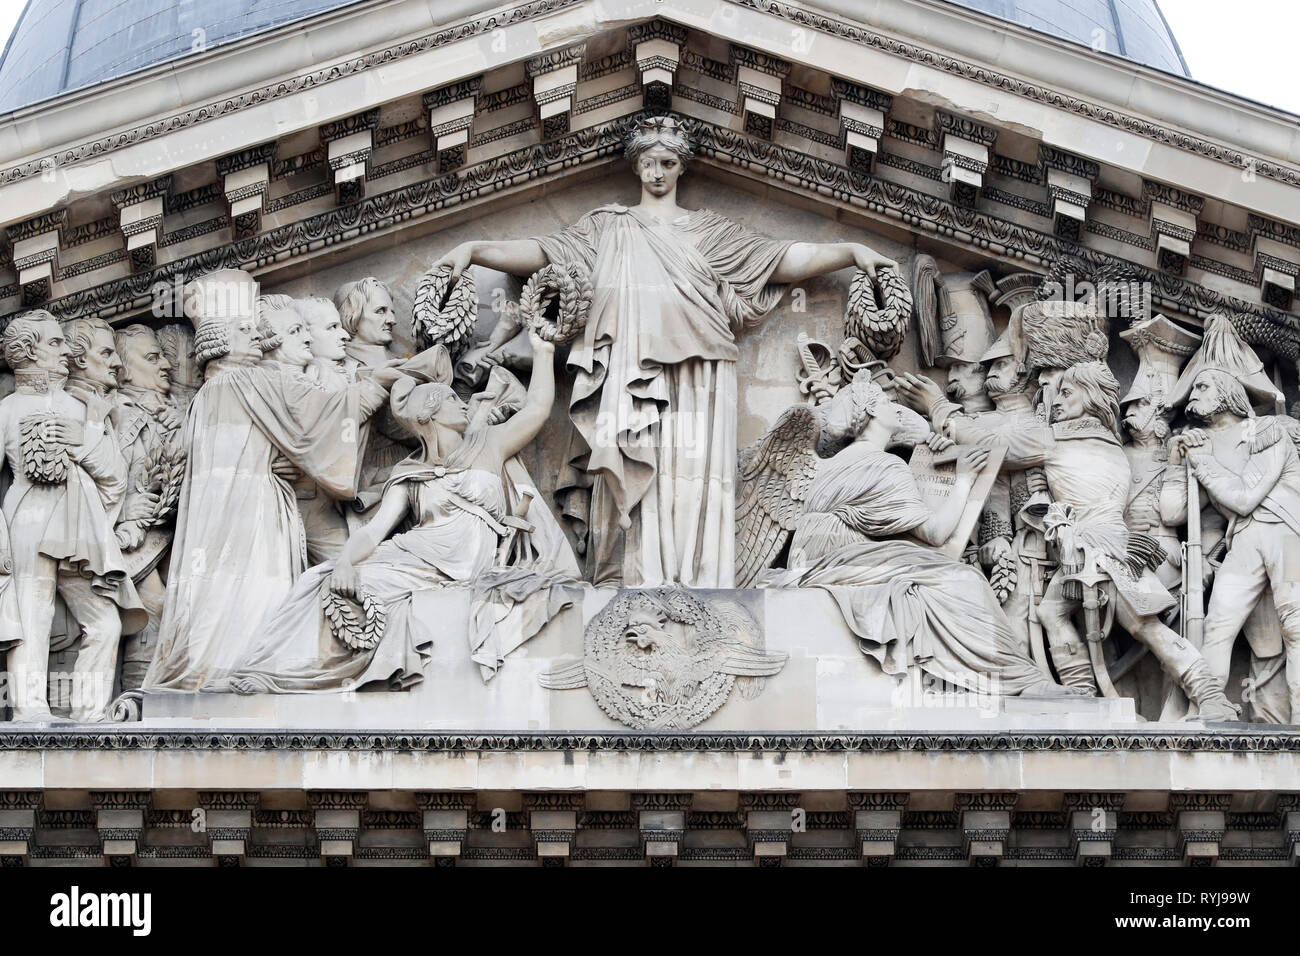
column 936, row 477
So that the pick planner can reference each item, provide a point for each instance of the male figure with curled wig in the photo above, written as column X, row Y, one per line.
column 68, row 480
column 452, row 494
column 652, row 470
column 239, row 543
column 1088, row 475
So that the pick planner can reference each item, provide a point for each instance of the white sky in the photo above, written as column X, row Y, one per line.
column 1246, row 46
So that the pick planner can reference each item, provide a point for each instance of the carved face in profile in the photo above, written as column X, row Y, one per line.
column 1069, row 402
column 1047, row 379
column 887, row 413
column 328, row 337
column 375, row 325
column 965, row 380
column 52, row 351
column 295, row 338
column 1141, row 417
column 178, row 348
column 847, row 415
column 100, row 363
column 144, row 365
column 453, row 413
column 659, row 168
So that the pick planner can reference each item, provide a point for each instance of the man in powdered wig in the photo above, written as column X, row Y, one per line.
column 652, row 471
column 239, row 539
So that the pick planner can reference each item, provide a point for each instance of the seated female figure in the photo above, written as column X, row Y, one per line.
column 452, row 494
column 866, row 537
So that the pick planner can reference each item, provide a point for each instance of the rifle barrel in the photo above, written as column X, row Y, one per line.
column 1193, row 570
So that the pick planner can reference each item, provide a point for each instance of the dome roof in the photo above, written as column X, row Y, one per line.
column 1135, row 29
column 61, row 45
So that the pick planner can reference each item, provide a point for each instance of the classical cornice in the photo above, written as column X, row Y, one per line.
column 819, row 22
column 788, row 169
column 420, row 741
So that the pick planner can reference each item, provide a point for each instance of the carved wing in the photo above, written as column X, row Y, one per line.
column 444, row 313
column 564, row 677
column 775, row 473
column 752, row 662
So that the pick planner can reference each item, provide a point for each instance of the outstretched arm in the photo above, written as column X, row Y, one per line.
column 803, row 260
column 512, row 435
column 362, row 542
column 519, row 257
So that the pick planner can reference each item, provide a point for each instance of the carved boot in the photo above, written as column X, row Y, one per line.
column 1207, row 694
column 1073, row 668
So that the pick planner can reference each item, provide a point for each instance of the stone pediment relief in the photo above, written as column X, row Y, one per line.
column 488, row 391
column 464, row 546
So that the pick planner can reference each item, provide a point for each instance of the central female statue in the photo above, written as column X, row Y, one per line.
column 654, row 399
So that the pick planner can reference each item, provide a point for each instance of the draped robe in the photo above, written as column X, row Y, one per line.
column 907, row 603
column 654, row 398
column 239, row 542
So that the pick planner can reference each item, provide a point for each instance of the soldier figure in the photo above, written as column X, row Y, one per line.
column 1248, row 469
column 1088, row 476
column 1002, row 534
column 1161, row 347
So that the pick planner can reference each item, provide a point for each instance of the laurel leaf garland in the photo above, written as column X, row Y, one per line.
column 359, row 631
column 555, row 301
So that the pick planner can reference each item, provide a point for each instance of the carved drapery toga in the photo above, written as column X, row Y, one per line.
column 655, row 397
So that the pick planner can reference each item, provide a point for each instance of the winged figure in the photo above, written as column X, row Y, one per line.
column 776, row 472
column 858, row 527
column 774, row 475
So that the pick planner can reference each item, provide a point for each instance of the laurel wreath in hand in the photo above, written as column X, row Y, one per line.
column 45, row 461
column 444, row 313
column 555, row 301
column 879, row 312
column 358, row 627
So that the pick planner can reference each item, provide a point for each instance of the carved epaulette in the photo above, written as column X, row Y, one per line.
column 1267, row 434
